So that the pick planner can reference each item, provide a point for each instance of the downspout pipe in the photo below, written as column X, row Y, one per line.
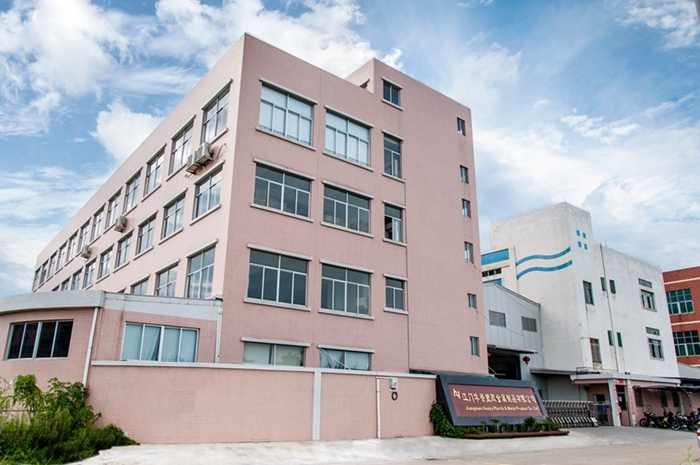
column 88, row 356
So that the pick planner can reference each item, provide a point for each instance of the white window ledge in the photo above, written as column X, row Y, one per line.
column 393, row 310
column 392, row 104
column 281, row 136
column 139, row 255
column 120, row 266
column 402, row 244
column 281, row 212
column 207, row 213
column 174, row 233
column 151, row 192
column 268, row 303
column 394, row 177
column 177, row 170
column 347, row 160
column 346, row 314
column 342, row 228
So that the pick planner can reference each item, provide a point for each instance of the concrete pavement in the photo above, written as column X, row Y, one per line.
column 406, row 450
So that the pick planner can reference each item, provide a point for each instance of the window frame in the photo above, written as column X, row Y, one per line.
column 37, row 339
column 497, row 319
column 344, row 352
column 461, row 127
column 648, row 300
column 103, row 267
column 474, row 345
column 335, row 282
column 391, row 93
column 168, row 286
column 466, row 208
column 392, row 157
column 181, row 147
column 680, row 301
column 89, row 271
column 596, row 355
column 656, row 350
column 277, row 272
column 173, row 216
column 200, row 279
column 263, row 185
column 687, row 342
column 393, row 224
column 138, row 286
column 471, row 300
column 468, row 252
column 123, row 248
column 154, row 172
column 161, row 340
column 395, row 292
column 347, row 136
column 272, row 354
column 215, row 115
column 292, row 102
column 146, row 230
column 529, row 324
column 208, row 188
column 347, row 207
column 464, row 174
column 588, row 293
column 97, row 219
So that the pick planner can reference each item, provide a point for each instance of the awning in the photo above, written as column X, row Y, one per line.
column 544, row 371
column 511, row 350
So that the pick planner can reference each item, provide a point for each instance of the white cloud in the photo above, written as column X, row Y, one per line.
column 478, row 76
column 120, row 131
column 666, row 107
column 542, row 103
column 677, row 20
column 596, row 129
column 18, row 258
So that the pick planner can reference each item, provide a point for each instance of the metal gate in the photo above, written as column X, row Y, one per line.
column 572, row 413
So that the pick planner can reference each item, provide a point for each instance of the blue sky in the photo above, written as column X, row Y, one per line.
column 593, row 102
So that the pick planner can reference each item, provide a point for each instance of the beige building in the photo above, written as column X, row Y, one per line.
column 333, row 223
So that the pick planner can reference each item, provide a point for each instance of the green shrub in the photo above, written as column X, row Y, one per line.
column 56, row 427
column 443, row 426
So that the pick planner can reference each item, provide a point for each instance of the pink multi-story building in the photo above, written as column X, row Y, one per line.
column 331, row 226
column 683, row 297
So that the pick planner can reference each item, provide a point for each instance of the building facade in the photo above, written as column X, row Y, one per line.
column 323, row 213
column 604, row 327
column 683, row 297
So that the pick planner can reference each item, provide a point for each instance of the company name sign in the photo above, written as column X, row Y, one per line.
column 469, row 400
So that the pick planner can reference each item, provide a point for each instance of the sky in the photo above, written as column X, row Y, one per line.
column 591, row 102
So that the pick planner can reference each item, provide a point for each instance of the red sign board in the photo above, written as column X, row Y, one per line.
column 471, row 400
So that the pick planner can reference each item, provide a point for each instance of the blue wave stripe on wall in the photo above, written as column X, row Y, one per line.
column 544, row 257
column 544, row 268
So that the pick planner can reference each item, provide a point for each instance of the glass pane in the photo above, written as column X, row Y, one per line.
column 331, row 358
column 273, row 96
column 289, row 355
column 29, row 339
column 300, row 289
column 352, row 148
column 293, row 264
column 363, row 153
column 358, row 277
column 285, row 293
column 131, row 347
column 330, row 139
column 265, row 115
column 48, row 329
column 270, row 284
column 335, row 122
column 151, row 341
column 364, row 221
column 389, row 297
column 326, row 294
column 290, row 200
column 299, row 183
column 338, row 296
column 171, row 343
column 258, row 354
column 340, row 144
column 269, row 174
column 275, row 196
column 305, row 131
column 352, row 298
column 398, row 299
column 363, row 301
column 260, row 195
column 292, row 125
column 356, row 360
column 278, row 120
column 335, row 194
column 339, row 214
column 255, row 276
column 188, row 345
column 264, row 258
column 353, row 218
column 302, row 203
column 328, row 210
column 334, row 272
column 15, row 341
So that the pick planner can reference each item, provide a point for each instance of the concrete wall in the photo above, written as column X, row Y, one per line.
column 688, row 278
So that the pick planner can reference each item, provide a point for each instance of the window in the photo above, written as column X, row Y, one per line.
column 61, row 260
column 172, row 216
column 273, row 354
column 655, row 349
column 680, row 301
column 53, row 339
column 281, row 191
column 75, row 281
column 200, row 273
column 588, row 292
column 215, row 116
column 123, row 247
column 602, row 284
column 277, row 278
column 286, row 115
column 131, row 191
column 44, row 269
column 393, row 230
column 346, row 210
column 686, row 343
column 653, row 331
column 159, row 343
column 88, row 275
column 394, row 294
column 392, row 93
column 461, row 127
column 344, row 359
column 464, row 174
column 474, row 344
column 466, row 208
column 83, row 236
column 345, row 290
column 611, row 338
column 144, row 241
column 347, row 139
column 103, row 268
column 97, row 224
column 65, row 285
column 638, row 398
column 154, row 171
column 472, row 300
column 113, row 209
column 648, row 300
column 140, row 288
column 497, row 318
column 165, row 282
column 52, row 264
column 595, row 351
column 70, row 252
column 469, row 252
column 619, row 339
column 182, row 147
column 37, row 277
column 207, row 194
column 392, row 156
column 613, row 289
column 529, row 324
column 644, row 282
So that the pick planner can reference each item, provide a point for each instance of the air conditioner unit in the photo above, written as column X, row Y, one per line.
column 84, row 252
column 199, row 157
column 120, row 223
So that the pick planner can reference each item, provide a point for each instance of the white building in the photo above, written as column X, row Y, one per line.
column 604, row 318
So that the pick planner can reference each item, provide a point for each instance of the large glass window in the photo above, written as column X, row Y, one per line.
column 165, row 282
column 97, row 224
column 282, row 191
column 595, row 351
column 393, row 220
column 273, row 354
column 159, row 343
column 394, row 294
column 286, row 115
column 131, row 193
column 103, row 268
column 469, row 252
column 529, row 324
column 154, row 172
column 200, row 273
column 89, row 274
column 113, row 209
column 123, row 247
column 344, row 359
column 392, row 156
column 474, row 344
column 392, row 93
column 648, row 300
column 497, row 318
column 172, row 216
column 140, row 288
column 182, row 147
column 39, row 339
column 655, row 348
column 680, row 301
column 215, row 117
column 83, row 236
column 345, row 290
column 344, row 209
column 687, row 343
column 208, row 194
column 75, row 281
column 145, row 237
column 347, row 139
column 277, row 278
column 588, row 292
